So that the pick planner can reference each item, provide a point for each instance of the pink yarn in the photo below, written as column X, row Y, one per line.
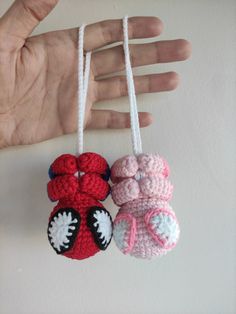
column 149, row 186
column 129, row 235
column 145, row 225
column 128, row 166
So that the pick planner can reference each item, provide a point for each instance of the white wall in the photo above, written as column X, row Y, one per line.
column 194, row 130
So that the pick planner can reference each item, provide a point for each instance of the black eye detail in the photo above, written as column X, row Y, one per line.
column 63, row 228
column 107, row 174
column 100, row 223
column 51, row 174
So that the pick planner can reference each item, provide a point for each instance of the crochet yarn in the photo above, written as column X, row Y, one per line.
column 79, row 226
column 64, row 173
column 145, row 225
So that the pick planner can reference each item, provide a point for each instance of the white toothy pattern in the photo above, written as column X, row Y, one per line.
column 166, row 227
column 103, row 225
column 59, row 230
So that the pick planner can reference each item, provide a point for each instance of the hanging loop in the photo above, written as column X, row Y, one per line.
column 134, row 119
column 83, row 80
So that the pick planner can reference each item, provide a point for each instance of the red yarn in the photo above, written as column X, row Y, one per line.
column 94, row 185
column 64, row 164
column 62, row 186
column 92, row 162
column 78, row 195
column 84, row 245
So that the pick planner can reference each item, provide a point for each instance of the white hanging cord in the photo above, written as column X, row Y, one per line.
column 83, row 80
column 134, row 120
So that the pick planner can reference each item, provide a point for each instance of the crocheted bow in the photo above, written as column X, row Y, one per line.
column 141, row 176
column 66, row 179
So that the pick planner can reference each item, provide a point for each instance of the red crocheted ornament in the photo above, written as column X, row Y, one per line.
column 79, row 226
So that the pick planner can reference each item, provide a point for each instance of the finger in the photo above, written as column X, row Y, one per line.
column 109, row 119
column 112, row 60
column 106, row 32
column 21, row 18
column 117, row 86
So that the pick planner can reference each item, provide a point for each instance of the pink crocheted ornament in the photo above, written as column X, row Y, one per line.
column 145, row 225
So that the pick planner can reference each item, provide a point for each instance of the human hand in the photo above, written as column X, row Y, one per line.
column 38, row 74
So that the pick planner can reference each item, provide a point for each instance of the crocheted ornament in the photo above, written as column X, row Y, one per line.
column 79, row 226
column 145, row 225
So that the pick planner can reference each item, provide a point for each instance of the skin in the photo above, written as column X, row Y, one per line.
column 38, row 74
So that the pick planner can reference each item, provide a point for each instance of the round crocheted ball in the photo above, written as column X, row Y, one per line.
column 145, row 228
column 145, row 225
column 79, row 226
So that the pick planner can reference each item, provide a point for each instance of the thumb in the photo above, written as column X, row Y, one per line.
column 21, row 19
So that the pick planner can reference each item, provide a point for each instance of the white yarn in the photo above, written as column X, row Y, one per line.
column 61, row 229
column 83, row 79
column 134, row 120
column 104, row 226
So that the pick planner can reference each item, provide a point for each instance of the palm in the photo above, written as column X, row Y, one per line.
column 38, row 98
column 45, row 88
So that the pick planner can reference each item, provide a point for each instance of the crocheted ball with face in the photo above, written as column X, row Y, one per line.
column 79, row 226
column 145, row 225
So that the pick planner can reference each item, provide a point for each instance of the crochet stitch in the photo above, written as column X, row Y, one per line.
column 79, row 226
column 145, row 176
column 145, row 225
